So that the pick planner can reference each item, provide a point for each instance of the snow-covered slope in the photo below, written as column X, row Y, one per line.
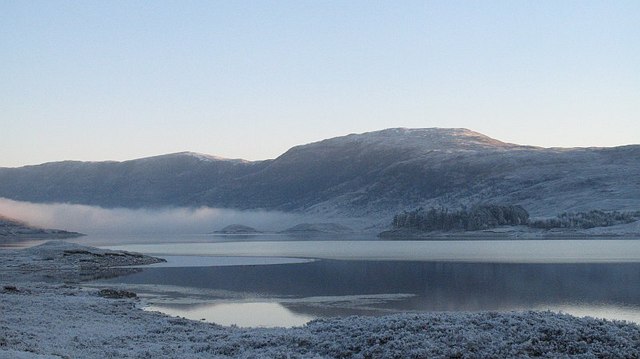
column 421, row 140
column 371, row 175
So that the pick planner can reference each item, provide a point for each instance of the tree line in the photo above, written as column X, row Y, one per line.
column 585, row 220
column 478, row 217
column 490, row 216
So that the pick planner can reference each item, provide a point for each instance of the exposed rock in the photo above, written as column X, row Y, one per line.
column 116, row 294
column 10, row 289
column 72, row 262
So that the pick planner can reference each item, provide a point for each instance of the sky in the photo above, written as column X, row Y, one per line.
column 117, row 80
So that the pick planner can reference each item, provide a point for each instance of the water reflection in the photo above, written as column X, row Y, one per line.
column 611, row 312
column 262, row 314
column 334, row 287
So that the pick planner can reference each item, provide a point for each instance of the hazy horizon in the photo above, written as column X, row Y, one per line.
column 121, row 80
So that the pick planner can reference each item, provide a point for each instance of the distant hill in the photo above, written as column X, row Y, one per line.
column 375, row 174
column 11, row 230
column 238, row 229
column 317, row 228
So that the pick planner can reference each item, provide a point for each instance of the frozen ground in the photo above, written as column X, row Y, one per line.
column 46, row 314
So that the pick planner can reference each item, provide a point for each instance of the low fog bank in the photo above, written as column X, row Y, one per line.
column 98, row 220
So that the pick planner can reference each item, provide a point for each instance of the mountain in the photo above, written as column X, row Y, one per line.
column 372, row 174
column 174, row 179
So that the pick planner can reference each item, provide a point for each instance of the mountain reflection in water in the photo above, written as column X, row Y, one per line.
column 338, row 286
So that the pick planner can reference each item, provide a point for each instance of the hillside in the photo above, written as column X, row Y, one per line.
column 11, row 230
column 372, row 174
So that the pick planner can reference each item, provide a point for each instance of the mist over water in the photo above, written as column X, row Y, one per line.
column 170, row 220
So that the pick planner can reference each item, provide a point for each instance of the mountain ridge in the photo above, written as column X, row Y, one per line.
column 372, row 174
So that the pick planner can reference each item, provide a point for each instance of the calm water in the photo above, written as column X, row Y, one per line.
column 258, row 284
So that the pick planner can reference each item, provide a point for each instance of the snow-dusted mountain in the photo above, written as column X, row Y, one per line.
column 360, row 175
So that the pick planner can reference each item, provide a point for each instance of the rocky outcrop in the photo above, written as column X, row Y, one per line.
column 72, row 262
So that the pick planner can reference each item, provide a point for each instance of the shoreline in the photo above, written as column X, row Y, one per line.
column 508, row 233
column 47, row 313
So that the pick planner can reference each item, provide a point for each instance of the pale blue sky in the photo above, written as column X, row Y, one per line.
column 95, row 80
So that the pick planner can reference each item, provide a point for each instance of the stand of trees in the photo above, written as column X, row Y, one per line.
column 491, row 216
column 585, row 220
column 478, row 217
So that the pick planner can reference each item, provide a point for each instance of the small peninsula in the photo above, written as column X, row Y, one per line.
column 15, row 230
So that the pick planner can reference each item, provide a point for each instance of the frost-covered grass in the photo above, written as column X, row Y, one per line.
column 54, row 319
column 63, row 321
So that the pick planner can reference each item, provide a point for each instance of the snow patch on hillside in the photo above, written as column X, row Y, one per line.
column 428, row 139
column 206, row 157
